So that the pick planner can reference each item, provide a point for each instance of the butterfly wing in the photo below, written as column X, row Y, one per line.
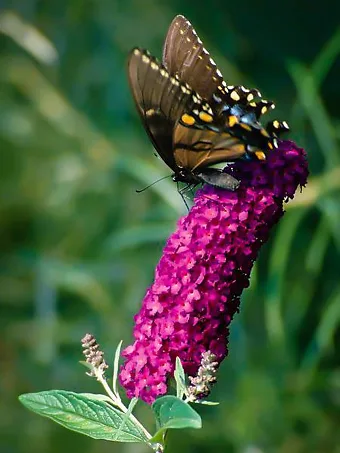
column 203, row 143
column 160, row 100
column 188, row 132
column 185, row 55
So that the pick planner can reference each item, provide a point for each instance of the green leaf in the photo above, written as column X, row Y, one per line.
column 97, row 397
column 179, row 376
column 115, row 368
column 88, row 416
column 173, row 413
column 87, row 365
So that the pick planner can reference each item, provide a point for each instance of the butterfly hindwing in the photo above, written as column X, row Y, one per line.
column 185, row 55
column 199, row 145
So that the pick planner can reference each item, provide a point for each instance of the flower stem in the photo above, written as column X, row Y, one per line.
column 118, row 402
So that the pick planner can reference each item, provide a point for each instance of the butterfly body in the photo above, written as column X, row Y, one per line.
column 193, row 118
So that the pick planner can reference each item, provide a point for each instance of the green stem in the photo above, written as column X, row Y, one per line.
column 118, row 402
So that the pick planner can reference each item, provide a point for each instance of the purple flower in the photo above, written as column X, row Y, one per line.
column 205, row 266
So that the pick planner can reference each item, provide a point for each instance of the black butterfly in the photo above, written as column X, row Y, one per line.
column 193, row 118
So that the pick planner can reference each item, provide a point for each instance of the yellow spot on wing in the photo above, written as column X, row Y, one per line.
column 235, row 96
column 276, row 124
column 205, row 117
column 188, row 120
column 245, row 126
column 238, row 148
column 232, row 120
column 260, row 155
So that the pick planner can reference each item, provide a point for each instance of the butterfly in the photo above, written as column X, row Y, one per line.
column 193, row 118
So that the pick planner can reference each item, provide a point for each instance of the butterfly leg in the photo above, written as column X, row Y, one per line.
column 183, row 192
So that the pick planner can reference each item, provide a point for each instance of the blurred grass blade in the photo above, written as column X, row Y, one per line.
column 51, row 103
column 46, row 315
column 137, row 236
column 315, row 111
column 330, row 210
column 314, row 261
column 28, row 37
column 147, row 172
column 317, row 249
column 317, row 188
column 278, row 263
column 324, row 333
column 326, row 58
column 320, row 69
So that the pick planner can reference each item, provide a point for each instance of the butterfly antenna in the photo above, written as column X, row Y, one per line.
column 153, row 183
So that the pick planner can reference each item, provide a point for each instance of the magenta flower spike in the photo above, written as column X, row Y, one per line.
column 204, row 268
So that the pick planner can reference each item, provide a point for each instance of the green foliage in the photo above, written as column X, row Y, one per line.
column 179, row 376
column 116, row 368
column 80, row 246
column 89, row 416
column 173, row 413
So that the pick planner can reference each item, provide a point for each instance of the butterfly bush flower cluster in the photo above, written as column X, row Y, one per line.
column 204, row 268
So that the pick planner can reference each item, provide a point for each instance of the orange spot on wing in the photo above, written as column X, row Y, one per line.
column 188, row 120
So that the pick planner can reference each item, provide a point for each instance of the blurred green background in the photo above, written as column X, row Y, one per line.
column 79, row 246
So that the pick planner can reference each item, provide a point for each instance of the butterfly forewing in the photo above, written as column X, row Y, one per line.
column 185, row 55
column 160, row 100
